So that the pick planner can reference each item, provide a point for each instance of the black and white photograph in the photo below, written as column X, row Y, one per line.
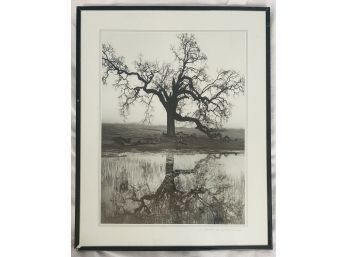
column 174, row 128
column 173, row 114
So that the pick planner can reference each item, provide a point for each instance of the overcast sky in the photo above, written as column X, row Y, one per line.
column 225, row 50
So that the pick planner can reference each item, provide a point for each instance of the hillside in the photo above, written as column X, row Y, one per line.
column 136, row 137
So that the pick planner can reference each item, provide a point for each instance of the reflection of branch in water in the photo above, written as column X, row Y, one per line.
column 201, row 163
column 197, row 195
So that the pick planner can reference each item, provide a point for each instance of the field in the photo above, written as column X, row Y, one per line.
column 136, row 137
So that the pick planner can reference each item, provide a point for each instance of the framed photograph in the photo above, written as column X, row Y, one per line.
column 173, row 128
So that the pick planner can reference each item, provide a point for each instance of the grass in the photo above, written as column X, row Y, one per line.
column 137, row 137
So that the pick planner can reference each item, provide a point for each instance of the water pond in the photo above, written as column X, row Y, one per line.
column 172, row 188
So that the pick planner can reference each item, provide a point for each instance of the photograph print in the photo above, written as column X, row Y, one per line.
column 173, row 122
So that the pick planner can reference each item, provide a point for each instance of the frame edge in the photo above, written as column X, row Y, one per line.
column 269, row 245
column 269, row 129
column 78, row 128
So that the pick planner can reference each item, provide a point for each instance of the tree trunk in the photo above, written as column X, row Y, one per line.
column 170, row 124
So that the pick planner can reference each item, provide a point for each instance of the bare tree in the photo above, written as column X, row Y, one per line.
column 184, row 88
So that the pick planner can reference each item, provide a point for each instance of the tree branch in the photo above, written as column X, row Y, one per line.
column 211, row 133
column 145, row 74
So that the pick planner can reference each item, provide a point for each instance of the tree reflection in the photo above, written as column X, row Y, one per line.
column 201, row 195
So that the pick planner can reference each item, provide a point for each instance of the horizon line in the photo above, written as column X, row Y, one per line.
column 149, row 125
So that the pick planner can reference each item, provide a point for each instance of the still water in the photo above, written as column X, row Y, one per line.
column 171, row 188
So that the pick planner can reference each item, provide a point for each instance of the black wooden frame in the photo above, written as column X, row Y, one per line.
column 79, row 9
